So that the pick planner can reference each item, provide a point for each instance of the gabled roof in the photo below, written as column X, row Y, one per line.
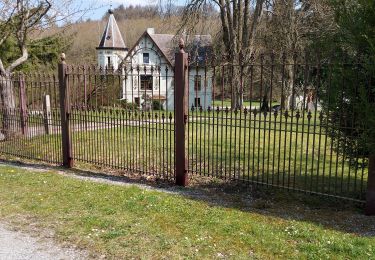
column 165, row 44
column 197, row 45
column 112, row 38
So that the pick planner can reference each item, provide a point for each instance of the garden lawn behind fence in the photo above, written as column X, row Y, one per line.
column 294, row 153
column 131, row 221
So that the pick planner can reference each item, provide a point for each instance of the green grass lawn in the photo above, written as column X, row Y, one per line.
column 296, row 154
column 127, row 221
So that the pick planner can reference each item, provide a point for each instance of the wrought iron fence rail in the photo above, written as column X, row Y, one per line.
column 169, row 124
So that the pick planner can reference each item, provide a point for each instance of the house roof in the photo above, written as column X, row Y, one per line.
column 112, row 38
column 197, row 45
column 165, row 44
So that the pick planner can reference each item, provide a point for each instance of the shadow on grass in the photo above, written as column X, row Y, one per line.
column 332, row 213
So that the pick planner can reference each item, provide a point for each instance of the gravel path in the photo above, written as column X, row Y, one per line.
column 15, row 245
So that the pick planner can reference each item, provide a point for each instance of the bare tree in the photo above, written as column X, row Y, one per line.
column 240, row 21
column 285, row 25
column 19, row 20
column 292, row 27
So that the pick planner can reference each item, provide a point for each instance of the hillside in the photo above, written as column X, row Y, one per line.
column 86, row 35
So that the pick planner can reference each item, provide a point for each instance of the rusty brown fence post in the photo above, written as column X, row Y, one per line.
column 65, row 112
column 370, row 196
column 181, row 113
column 23, row 105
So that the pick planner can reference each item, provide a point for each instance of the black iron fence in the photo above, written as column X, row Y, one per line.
column 30, row 123
column 290, row 124
column 287, row 122
column 117, row 120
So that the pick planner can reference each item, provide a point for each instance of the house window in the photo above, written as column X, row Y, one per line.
column 197, row 102
column 109, row 63
column 146, row 58
column 197, row 82
column 146, row 82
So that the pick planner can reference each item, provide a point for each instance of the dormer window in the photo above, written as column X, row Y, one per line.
column 146, row 58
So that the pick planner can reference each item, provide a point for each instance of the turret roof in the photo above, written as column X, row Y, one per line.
column 112, row 38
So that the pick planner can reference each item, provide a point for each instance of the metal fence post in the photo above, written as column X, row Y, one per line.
column 370, row 196
column 65, row 112
column 23, row 105
column 181, row 113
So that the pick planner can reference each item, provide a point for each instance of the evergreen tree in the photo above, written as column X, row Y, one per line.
column 43, row 53
column 348, row 94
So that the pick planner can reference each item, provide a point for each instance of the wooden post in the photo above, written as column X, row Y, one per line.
column 370, row 195
column 65, row 113
column 181, row 113
column 47, row 114
column 23, row 105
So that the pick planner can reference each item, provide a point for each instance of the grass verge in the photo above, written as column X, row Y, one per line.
column 128, row 221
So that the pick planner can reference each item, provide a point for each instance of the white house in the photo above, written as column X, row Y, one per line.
column 148, row 66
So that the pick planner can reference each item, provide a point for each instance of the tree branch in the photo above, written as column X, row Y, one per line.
column 27, row 20
column 226, row 35
column 245, row 27
column 3, row 39
column 231, row 31
column 20, row 60
column 2, row 69
column 256, row 18
column 42, row 10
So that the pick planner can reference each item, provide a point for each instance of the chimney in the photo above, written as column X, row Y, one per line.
column 151, row 30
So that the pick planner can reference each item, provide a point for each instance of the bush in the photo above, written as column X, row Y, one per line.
column 157, row 105
column 128, row 105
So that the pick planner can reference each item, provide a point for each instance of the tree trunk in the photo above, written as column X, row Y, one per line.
column 9, row 128
column 236, row 87
column 283, row 101
column 289, row 91
column 265, row 101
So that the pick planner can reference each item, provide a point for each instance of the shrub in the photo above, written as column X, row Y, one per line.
column 157, row 105
column 128, row 105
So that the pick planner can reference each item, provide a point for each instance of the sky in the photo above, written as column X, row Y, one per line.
column 97, row 8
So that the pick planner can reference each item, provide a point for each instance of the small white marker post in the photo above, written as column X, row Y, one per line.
column 47, row 114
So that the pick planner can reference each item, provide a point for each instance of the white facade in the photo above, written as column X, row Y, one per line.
column 144, row 81
column 147, row 69
column 108, row 58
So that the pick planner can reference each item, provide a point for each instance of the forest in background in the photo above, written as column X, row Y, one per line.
column 284, row 28
column 133, row 21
